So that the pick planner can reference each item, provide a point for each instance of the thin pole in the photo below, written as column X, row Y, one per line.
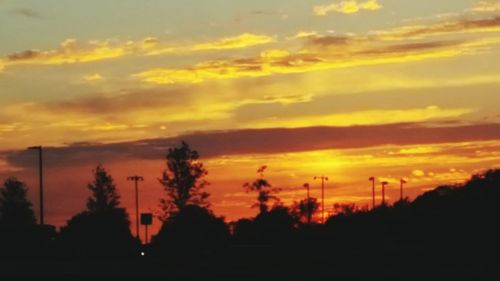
column 401, row 191
column 308, row 211
column 322, row 199
column 146, row 234
column 136, row 179
column 40, row 177
column 136, row 209
column 42, row 220
column 402, row 181
column 383, row 192
column 323, row 178
column 372, row 179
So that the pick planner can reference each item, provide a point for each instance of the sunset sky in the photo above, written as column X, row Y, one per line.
column 347, row 89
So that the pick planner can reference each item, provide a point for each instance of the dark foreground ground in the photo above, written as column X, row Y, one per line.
column 268, row 266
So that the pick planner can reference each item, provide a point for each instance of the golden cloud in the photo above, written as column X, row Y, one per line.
column 331, row 52
column 486, row 6
column 237, row 42
column 347, row 7
column 71, row 51
column 93, row 77
column 442, row 28
column 282, row 62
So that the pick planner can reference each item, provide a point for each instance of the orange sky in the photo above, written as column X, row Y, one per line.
column 344, row 88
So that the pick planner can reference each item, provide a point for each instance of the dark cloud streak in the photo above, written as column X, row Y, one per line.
column 26, row 12
column 262, row 141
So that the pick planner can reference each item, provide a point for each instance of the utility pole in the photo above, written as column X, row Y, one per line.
column 136, row 179
column 372, row 179
column 306, row 185
column 40, row 170
column 323, row 179
column 401, row 188
column 384, row 183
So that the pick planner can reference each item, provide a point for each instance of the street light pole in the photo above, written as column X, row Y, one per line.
column 40, row 170
column 322, row 178
column 306, row 185
column 401, row 188
column 136, row 179
column 372, row 179
column 384, row 183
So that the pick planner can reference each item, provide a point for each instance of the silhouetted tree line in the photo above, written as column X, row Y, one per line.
column 448, row 222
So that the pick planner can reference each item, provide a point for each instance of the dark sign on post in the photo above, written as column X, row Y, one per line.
column 146, row 219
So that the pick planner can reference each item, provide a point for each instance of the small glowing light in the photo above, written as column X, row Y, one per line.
column 142, row 254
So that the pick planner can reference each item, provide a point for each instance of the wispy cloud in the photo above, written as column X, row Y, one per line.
column 308, row 61
column 258, row 13
column 347, row 7
column 26, row 12
column 457, row 26
column 72, row 51
column 69, row 52
column 486, row 6
column 93, row 77
column 241, row 41
column 398, row 45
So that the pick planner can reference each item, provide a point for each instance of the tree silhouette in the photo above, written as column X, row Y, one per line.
column 104, row 194
column 264, row 189
column 103, row 230
column 15, row 208
column 305, row 209
column 183, row 181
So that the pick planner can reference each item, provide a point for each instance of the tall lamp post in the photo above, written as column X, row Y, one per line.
column 40, row 169
column 306, row 185
column 401, row 189
column 384, row 183
column 136, row 179
column 323, row 179
column 372, row 179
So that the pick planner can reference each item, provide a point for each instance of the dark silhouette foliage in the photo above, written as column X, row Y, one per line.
column 193, row 229
column 274, row 227
column 15, row 208
column 183, row 181
column 104, row 194
column 103, row 229
column 19, row 235
column 305, row 209
column 264, row 190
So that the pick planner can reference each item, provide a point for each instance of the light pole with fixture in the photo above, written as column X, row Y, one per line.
column 136, row 179
column 323, row 179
